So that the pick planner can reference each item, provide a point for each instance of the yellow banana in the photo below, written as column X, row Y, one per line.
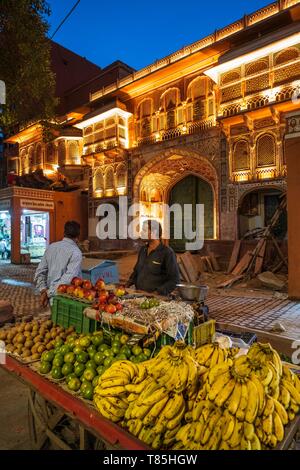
column 157, row 442
column 292, row 390
column 269, row 406
column 249, row 431
column 240, row 414
column 218, row 386
column 148, row 391
column 181, row 433
column 234, row 399
column 266, row 375
column 236, row 436
column 114, row 382
column 224, row 394
column 173, row 406
column 151, row 416
column 214, row 357
column 192, row 372
column 138, row 388
column 253, row 403
column 107, row 414
column 116, row 391
column 117, row 402
column 228, row 427
column 224, row 446
column 267, row 424
column 261, row 393
column 204, row 353
column 170, row 433
column 136, row 427
column 255, row 443
column 215, row 437
column 279, row 408
column 245, row 443
column 132, row 397
column 216, row 371
column 198, row 431
column 278, row 427
column 198, row 407
column 285, row 397
column 173, row 423
column 140, row 411
column 291, row 415
column 208, row 429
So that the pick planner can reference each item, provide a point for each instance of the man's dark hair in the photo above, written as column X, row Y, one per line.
column 72, row 229
column 154, row 226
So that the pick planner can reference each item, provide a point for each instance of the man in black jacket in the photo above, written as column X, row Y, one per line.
column 156, row 269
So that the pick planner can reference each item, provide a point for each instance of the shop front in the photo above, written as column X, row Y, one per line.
column 31, row 219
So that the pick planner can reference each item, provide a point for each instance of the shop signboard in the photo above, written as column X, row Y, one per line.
column 36, row 204
column 4, row 205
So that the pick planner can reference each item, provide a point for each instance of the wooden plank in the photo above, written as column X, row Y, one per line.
column 189, row 268
column 234, row 256
column 279, row 251
column 183, row 271
column 209, row 264
column 229, row 282
column 199, row 263
column 214, row 261
column 243, row 264
column 260, row 258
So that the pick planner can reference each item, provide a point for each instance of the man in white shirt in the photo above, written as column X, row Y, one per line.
column 60, row 263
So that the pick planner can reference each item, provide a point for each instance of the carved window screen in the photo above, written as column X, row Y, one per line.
column 266, row 150
column 241, row 158
column 109, row 179
column 98, row 181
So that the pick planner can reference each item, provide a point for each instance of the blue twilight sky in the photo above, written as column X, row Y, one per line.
column 139, row 32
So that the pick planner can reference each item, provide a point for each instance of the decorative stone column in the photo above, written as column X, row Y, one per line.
column 292, row 153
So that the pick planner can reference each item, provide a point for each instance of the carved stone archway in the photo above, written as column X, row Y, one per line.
column 161, row 173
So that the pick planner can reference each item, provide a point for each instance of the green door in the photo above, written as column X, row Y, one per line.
column 192, row 190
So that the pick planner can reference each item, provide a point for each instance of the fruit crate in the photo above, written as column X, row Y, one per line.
column 68, row 312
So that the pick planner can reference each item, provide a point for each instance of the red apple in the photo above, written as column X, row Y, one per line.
column 120, row 291
column 89, row 294
column 119, row 306
column 77, row 281
column 87, row 284
column 79, row 292
column 70, row 290
column 100, row 284
column 62, row 289
column 102, row 299
column 110, row 308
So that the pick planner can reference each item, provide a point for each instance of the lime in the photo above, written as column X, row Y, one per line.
column 91, row 348
column 121, row 357
column 87, row 391
column 132, row 358
column 99, row 358
column 70, row 376
column 124, row 339
column 98, row 339
column 136, row 350
column 141, row 357
column 74, row 384
column 58, row 360
column 82, row 357
column 100, row 370
column 126, row 350
column 89, row 374
column 108, row 353
column 67, row 369
column 69, row 357
column 116, row 348
column 77, row 350
column 57, row 350
column 95, row 381
column 147, row 352
column 92, row 353
column 103, row 347
column 84, row 342
column 91, row 365
column 65, row 349
column 56, row 373
column 45, row 367
column 79, row 370
column 48, row 356
column 107, row 362
column 58, row 342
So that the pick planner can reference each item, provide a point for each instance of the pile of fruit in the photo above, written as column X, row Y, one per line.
column 102, row 299
column 30, row 339
column 210, row 398
column 81, row 360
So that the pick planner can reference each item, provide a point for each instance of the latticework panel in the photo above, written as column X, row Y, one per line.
column 257, row 84
column 266, row 150
column 231, row 93
column 286, row 56
column 241, row 157
column 287, row 73
column 230, row 77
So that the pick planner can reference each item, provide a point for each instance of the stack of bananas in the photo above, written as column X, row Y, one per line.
column 243, row 404
column 212, row 354
column 110, row 395
column 158, row 403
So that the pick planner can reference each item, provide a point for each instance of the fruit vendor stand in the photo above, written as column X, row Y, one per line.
column 123, row 370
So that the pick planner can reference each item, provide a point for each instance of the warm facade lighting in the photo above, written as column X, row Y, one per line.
column 101, row 117
column 215, row 72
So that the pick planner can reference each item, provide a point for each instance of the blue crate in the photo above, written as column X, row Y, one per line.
column 93, row 269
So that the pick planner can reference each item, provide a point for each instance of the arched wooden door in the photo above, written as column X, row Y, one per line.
column 192, row 190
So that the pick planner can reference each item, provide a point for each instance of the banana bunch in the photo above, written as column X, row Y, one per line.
column 260, row 354
column 211, row 355
column 289, row 392
column 176, row 369
column 110, row 395
column 270, row 425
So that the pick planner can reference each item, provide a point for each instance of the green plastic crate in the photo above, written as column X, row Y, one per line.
column 68, row 312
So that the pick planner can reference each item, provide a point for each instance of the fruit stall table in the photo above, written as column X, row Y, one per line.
column 49, row 406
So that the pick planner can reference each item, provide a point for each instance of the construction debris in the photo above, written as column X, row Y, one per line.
column 268, row 279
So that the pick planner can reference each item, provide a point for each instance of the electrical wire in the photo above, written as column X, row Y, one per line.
column 65, row 19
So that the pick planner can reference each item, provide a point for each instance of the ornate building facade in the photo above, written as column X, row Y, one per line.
column 203, row 125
